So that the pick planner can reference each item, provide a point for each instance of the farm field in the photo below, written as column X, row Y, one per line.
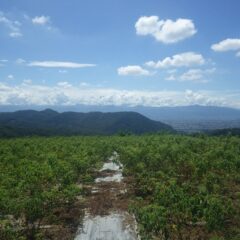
column 175, row 187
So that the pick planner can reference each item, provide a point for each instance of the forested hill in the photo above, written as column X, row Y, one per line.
column 49, row 122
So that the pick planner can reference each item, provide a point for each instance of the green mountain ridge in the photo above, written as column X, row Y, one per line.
column 49, row 122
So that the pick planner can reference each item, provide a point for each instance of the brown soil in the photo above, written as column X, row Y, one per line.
column 68, row 220
column 108, row 196
column 101, row 199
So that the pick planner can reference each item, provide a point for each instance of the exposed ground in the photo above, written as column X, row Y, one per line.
column 106, row 216
column 105, row 208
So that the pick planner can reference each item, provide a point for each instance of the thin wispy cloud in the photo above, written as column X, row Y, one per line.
column 192, row 75
column 27, row 81
column 197, row 75
column 84, row 84
column 62, row 71
column 3, row 62
column 186, row 59
column 10, row 77
column 64, row 84
column 13, row 26
column 56, row 64
column 20, row 61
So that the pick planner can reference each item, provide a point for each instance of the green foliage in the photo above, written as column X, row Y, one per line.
column 216, row 212
column 182, row 185
column 51, row 123
column 39, row 175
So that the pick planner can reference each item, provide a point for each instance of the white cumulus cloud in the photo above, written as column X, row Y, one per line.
column 30, row 94
column 186, row 59
column 20, row 61
column 133, row 70
column 41, row 20
column 56, row 64
column 15, row 34
column 165, row 31
column 230, row 44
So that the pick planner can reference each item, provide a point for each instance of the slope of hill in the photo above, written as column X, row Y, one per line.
column 49, row 122
column 193, row 118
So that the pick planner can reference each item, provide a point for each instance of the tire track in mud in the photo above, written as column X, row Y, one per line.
column 106, row 216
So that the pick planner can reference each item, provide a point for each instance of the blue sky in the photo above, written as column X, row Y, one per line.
column 152, row 53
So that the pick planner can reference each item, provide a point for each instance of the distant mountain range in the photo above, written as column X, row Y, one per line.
column 188, row 119
column 49, row 122
column 156, row 113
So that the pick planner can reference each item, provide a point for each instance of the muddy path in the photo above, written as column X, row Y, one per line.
column 106, row 215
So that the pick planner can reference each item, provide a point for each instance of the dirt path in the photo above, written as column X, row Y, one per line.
column 106, row 217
